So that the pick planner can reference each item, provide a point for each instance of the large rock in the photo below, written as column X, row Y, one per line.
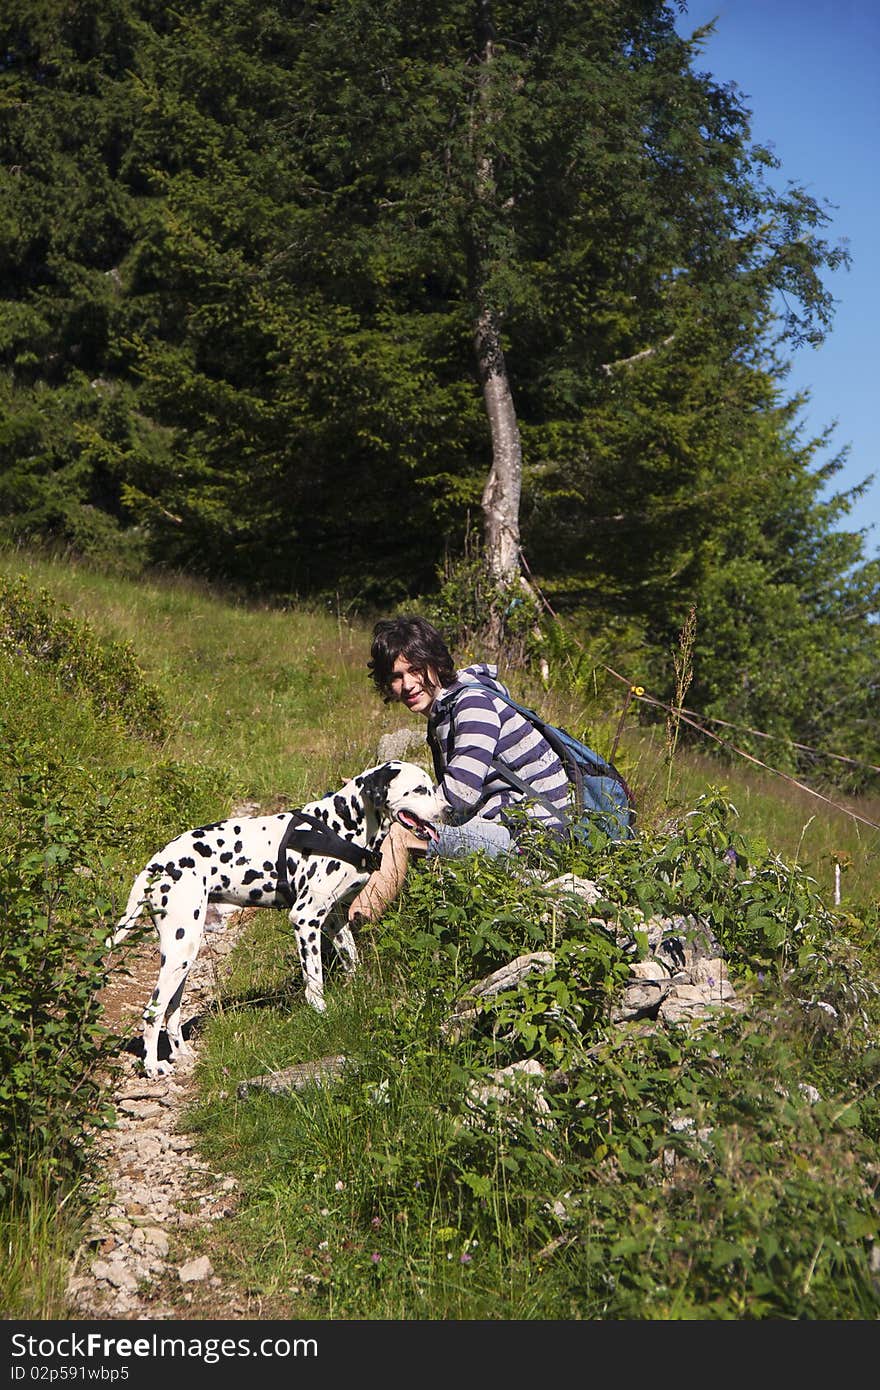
column 400, row 743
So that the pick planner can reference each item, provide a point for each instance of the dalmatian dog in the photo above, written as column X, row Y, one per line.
column 309, row 860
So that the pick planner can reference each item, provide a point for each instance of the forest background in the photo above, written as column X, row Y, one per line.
column 366, row 302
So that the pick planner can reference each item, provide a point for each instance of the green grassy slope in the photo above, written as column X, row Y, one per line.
column 776, row 1216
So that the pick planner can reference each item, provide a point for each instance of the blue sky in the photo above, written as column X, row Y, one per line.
column 809, row 71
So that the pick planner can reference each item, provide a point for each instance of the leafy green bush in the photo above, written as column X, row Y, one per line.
column 52, row 1042
column 35, row 628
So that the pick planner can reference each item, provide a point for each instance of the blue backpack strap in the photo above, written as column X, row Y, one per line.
column 558, row 740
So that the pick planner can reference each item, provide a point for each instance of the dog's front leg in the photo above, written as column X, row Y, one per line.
column 308, row 936
column 342, row 941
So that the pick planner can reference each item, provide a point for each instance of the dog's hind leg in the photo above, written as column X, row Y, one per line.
column 176, row 1041
column 138, row 902
column 180, row 923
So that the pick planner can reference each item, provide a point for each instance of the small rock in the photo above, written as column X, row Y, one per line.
column 151, row 1238
column 194, row 1271
column 115, row 1273
column 574, row 885
column 141, row 1109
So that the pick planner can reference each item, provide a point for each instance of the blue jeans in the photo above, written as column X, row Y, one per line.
column 456, row 841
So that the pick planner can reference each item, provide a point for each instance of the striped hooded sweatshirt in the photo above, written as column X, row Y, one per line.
column 467, row 727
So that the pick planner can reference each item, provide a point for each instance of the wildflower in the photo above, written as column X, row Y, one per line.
column 339, row 1186
column 376, row 1222
column 466, row 1258
column 375, row 1257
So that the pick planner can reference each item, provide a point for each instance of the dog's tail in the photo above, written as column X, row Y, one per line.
column 138, row 900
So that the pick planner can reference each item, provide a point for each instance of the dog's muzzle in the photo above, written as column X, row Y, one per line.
column 423, row 829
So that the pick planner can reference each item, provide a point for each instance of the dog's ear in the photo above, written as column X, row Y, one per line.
column 376, row 783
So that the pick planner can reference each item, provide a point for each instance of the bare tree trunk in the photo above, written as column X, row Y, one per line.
column 501, row 494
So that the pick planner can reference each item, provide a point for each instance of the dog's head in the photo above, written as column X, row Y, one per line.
column 403, row 792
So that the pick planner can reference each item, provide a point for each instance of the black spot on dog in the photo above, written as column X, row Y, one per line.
column 180, row 933
column 251, row 875
column 237, row 847
column 187, row 863
column 333, row 865
column 255, row 893
column 242, row 860
column 162, row 959
column 268, row 865
column 311, row 870
column 226, row 858
column 375, row 785
column 344, row 812
column 204, row 850
column 224, row 880
column 197, row 834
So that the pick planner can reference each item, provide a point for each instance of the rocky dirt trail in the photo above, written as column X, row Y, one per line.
column 140, row 1259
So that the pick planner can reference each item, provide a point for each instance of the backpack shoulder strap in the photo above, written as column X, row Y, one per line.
column 497, row 764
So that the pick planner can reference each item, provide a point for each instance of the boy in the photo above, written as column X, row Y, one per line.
column 468, row 726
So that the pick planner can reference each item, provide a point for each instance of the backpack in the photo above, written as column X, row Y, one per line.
column 601, row 794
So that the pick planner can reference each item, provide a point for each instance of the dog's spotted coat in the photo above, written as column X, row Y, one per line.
column 236, row 861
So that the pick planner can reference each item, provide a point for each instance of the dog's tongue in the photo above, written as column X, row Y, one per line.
column 422, row 828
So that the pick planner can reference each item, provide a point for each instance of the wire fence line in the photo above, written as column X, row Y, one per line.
column 699, row 722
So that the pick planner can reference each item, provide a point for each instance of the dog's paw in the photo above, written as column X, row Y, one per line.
column 155, row 1069
column 317, row 1002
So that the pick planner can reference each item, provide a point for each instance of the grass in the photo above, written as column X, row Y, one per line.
column 36, row 1237
column 377, row 1198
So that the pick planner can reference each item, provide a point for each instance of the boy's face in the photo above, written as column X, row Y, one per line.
column 412, row 688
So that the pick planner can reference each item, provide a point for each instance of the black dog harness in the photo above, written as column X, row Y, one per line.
column 319, row 840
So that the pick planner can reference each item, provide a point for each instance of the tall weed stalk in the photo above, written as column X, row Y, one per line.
column 683, row 665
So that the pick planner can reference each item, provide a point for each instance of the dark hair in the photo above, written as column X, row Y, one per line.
column 417, row 642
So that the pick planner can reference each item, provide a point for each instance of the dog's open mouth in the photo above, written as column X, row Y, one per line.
column 423, row 828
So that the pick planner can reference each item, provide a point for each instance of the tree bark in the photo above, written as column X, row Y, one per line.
column 501, row 494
